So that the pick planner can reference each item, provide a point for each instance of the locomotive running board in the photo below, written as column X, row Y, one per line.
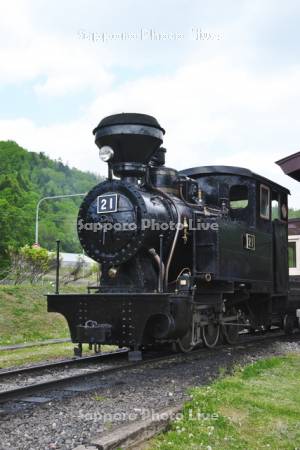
column 121, row 318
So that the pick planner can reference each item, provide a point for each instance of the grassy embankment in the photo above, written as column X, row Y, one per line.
column 258, row 407
column 24, row 318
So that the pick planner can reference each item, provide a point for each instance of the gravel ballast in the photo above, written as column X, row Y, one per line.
column 123, row 397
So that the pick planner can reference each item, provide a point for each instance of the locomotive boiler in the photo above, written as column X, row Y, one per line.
column 186, row 257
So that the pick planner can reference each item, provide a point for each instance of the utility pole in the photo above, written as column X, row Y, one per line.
column 54, row 197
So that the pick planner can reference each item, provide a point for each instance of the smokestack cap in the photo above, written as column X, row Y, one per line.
column 133, row 137
column 129, row 119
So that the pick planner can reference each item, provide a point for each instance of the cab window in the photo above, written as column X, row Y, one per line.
column 264, row 202
column 275, row 206
column 238, row 196
column 292, row 254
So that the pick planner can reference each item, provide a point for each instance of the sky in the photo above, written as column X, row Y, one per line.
column 222, row 77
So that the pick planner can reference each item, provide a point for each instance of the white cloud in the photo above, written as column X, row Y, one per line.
column 70, row 68
column 217, row 105
column 212, row 113
column 55, row 63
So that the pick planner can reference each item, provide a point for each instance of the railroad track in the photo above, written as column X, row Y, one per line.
column 61, row 363
column 69, row 381
column 48, row 370
column 34, row 344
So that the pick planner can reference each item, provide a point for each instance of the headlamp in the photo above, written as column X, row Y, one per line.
column 106, row 153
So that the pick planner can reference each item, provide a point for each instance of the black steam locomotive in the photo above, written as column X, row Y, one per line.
column 186, row 257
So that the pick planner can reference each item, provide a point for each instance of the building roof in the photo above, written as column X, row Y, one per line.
column 195, row 172
column 291, row 165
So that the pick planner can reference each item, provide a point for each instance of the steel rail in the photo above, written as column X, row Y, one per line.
column 61, row 363
column 22, row 392
column 4, row 348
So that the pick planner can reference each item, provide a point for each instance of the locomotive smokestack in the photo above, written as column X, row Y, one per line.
column 127, row 142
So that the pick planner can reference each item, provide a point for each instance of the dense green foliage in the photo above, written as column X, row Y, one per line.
column 25, row 177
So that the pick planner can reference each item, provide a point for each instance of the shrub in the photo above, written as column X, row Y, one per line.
column 29, row 264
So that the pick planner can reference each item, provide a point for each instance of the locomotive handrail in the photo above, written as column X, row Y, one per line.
column 170, row 257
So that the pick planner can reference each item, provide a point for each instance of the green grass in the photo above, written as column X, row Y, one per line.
column 258, row 407
column 30, row 355
column 26, row 356
column 24, row 316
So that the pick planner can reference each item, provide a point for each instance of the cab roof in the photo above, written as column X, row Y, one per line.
column 197, row 172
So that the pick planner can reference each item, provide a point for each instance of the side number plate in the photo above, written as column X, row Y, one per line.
column 249, row 241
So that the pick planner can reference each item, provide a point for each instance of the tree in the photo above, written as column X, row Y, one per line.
column 25, row 177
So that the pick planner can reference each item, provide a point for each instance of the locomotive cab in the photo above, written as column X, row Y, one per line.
column 250, row 243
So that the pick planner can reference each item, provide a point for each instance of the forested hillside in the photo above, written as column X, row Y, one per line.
column 25, row 177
